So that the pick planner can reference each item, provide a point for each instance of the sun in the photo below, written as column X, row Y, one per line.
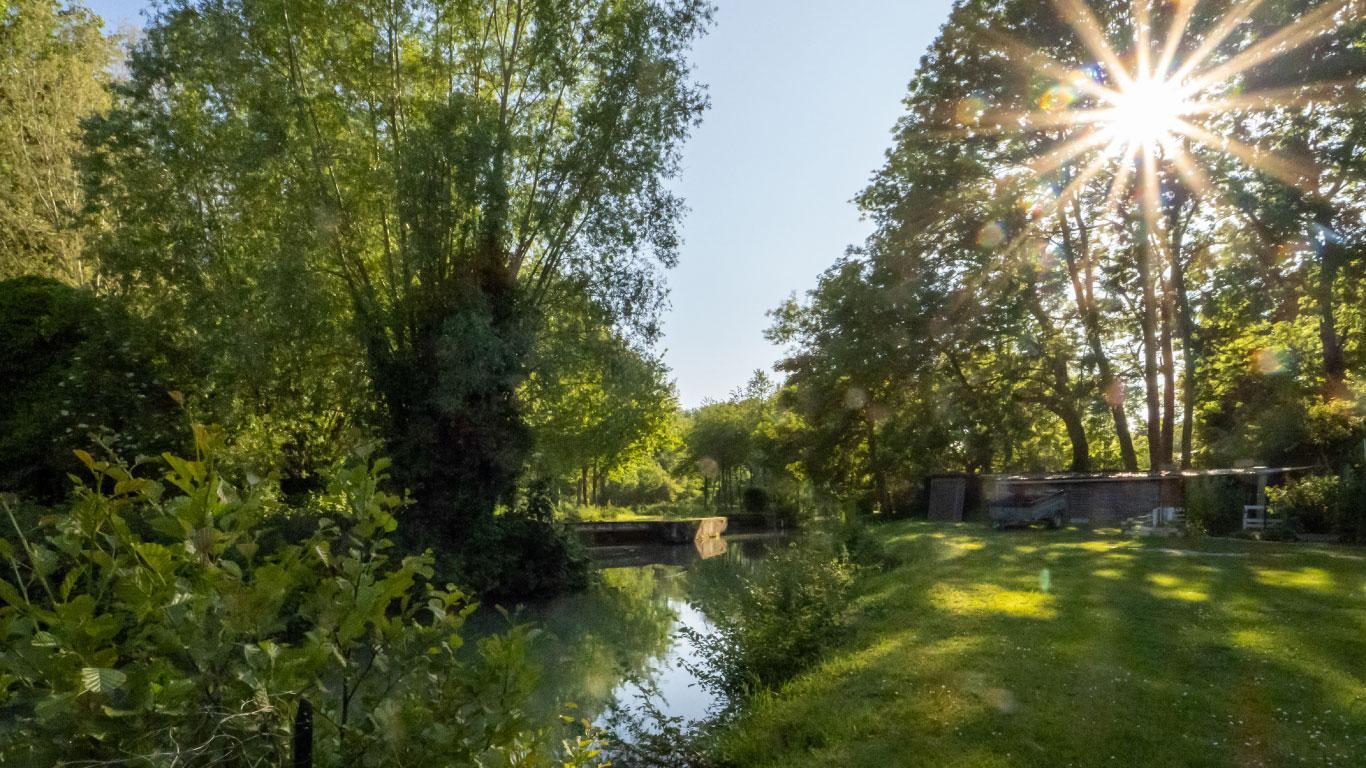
column 1146, row 112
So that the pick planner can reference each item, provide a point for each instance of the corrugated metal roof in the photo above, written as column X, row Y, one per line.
column 1102, row 477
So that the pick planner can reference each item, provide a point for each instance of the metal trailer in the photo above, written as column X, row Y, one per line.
column 1026, row 510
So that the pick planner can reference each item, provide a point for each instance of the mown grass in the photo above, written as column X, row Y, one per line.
column 1071, row 648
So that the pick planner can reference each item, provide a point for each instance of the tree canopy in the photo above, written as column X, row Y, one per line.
column 403, row 191
column 1043, row 290
column 54, row 64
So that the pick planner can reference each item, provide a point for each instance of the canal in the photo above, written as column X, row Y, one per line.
column 625, row 634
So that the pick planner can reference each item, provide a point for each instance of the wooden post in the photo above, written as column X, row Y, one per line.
column 303, row 735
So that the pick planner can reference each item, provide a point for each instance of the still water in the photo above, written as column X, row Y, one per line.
column 604, row 646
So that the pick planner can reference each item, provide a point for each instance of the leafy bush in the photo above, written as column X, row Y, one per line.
column 865, row 549
column 515, row 555
column 777, row 620
column 1351, row 512
column 154, row 624
column 755, row 500
column 1326, row 503
column 1309, row 504
column 1213, row 505
column 73, row 365
column 642, row 482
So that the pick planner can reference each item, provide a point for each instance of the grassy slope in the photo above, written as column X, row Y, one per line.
column 1067, row 648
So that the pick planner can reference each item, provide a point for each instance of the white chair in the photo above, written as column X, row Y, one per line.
column 1254, row 517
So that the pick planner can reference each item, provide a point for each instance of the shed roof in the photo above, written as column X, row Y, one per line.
column 1104, row 477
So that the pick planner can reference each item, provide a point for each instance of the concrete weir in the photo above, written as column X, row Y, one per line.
column 606, row 534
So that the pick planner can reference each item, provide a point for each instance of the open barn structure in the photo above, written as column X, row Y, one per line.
column 1097, row 499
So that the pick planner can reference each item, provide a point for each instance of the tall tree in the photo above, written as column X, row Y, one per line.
column 454, row 167
column 54, row 64
column 1060, row 216
column 594, row 401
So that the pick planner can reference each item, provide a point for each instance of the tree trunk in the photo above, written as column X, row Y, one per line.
column 1076, row 434
column 875, row 464
column 1083, row 287
column 1061, row 403
column 303, row 735
column 1148, row 321
column 599, row 491
column 1168, row 379
column 1185, row 327
column 1330, row 251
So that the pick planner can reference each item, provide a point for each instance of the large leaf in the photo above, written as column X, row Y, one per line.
column 101, row 679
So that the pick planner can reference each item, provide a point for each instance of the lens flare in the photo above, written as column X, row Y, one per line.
column 1122, row 117
column 1147, row 111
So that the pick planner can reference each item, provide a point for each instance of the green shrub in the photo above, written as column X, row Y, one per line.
column 1326, row 504
column 1350, row 521
column 777, row 620
column 518, row 556
column 642, row 482
column 1214, row 505
column 1309, row 504
column 863, row 547
column 755, row 500
column 154, row 624
column 73, row 365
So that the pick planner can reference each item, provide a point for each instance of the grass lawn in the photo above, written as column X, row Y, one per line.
column 610, row 514
column 1072, row 648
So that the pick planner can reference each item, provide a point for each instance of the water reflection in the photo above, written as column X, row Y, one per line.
column 600, row 645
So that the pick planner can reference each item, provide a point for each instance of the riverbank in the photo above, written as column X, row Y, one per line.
column 1070, row 648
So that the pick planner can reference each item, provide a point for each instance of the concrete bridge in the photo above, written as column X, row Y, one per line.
column 617, row 533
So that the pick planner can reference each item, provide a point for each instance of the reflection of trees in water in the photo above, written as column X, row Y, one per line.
column 713, row 583
column 596, row 639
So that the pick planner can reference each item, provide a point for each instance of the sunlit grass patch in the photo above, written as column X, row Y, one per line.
column 1134, row 656
column 1092, row 545
column 961, row 546
column 991, row 599
column 1167, row 585
column 1258, row 640
column 1303, row 578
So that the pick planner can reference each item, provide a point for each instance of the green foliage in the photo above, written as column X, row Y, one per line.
column 750, row 440
column 434, row 179
column 1324, row 504
column 644, row 483
column 74, row 365
column 777, row 620
column 54, row 65
column 989, row 323
column 601, row 410
column 1214, row 505
column 1309, row 504
column 159, row 622
column 517, row 555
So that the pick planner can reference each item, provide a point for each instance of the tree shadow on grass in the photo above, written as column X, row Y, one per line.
column 1064, row 648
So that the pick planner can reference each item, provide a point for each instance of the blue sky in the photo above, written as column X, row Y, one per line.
column 804, row 95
